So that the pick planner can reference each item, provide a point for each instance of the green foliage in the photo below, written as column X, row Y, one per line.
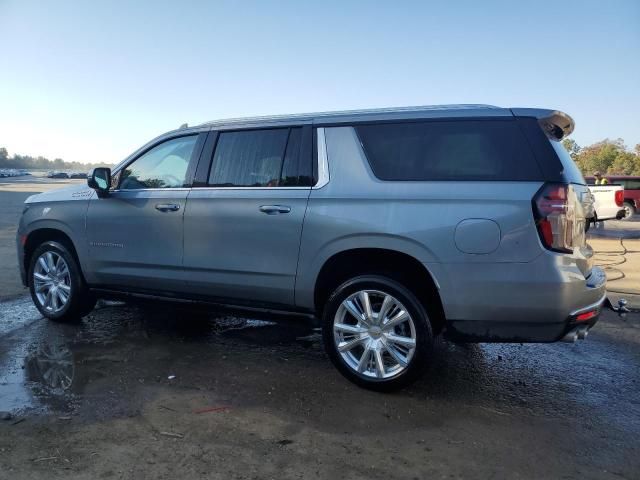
column 28, row 162
column 608, row 157
column 572, row 147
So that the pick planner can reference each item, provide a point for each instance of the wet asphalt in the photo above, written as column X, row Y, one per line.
column 487, row 411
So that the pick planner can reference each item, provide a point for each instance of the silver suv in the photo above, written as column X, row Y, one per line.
column 391, row 226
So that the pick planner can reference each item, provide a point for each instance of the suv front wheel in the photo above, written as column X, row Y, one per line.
column 376, row 332
column 57, row 287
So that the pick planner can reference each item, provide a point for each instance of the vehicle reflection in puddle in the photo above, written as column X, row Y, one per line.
column 37, row 370
column 52, row 366
column 44, row 366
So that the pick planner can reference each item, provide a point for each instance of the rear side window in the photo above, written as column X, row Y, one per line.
column 451, row 150
column 296, row 168
column 257, row 158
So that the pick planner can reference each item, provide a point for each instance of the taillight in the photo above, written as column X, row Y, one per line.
column 583, row 317
column 619, row 197
column 554, row 218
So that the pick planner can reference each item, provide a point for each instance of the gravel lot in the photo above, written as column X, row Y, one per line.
column 135, row 392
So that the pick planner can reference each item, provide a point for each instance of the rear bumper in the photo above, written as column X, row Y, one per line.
column 530, row 303
column 520, row 332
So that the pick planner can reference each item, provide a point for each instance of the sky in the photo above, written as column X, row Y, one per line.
column 91, row 81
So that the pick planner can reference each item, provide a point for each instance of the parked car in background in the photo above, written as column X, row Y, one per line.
column 11, row 172
column 390, row 226
column 631, row 185
column 57, row 175
column 78, row 175
column 608, row 201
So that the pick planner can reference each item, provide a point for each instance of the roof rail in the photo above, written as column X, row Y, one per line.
column 370, row 111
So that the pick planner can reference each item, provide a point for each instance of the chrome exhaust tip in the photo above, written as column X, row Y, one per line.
column 583, row 332
column 571, row 337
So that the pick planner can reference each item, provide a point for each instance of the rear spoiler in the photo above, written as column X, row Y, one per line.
column 555, row 124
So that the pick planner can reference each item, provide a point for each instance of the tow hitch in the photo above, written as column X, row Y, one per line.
column 580, row 332
column 621, row 309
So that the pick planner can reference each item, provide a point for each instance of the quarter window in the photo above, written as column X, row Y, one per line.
column 258, row 158
column 451, row 150
column 164, row 166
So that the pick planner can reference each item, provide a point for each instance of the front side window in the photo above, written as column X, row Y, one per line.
column 448, row 150
column 257, row 158
column 164, row 166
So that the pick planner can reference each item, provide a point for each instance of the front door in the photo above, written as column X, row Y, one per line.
column 242, row 231
column 135, row 234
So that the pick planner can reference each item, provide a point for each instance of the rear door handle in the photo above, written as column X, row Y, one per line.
column 168, row 207
column 274, row 209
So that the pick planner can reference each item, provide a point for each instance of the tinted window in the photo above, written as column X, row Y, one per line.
column 296, row 169
column 164, row 166
column 570, row 170
column 453, row 150
column 257, row 158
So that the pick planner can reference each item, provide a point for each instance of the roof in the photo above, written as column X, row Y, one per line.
column 556, row 124
column 377, row 114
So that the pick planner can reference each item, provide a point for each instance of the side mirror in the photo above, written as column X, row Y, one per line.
column 100, row 180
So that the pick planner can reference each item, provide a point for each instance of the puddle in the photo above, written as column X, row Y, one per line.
column 45, row 366
column 36, row 371
column 17, row 313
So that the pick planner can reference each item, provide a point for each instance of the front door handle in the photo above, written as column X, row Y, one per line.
column 168, row 207
column 274, row 209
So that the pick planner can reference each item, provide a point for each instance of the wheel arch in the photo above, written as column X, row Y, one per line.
column 396, row 264
column 43, row 234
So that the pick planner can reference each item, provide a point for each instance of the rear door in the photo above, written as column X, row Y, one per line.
column 244, row 221
column 135, row 234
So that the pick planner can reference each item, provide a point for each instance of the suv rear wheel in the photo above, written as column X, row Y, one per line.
column 376, row 332
column 56, row 284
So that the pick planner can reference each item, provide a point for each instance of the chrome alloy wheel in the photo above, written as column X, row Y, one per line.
column 374, row 334
column 52, row 281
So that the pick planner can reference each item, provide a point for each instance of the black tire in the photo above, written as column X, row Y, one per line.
column 80, row 300
column 421, row 322
column 630, row 210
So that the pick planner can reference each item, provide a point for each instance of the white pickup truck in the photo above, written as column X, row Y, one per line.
column 608, row 201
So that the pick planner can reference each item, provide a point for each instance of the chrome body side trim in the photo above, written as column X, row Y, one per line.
column 323, row 162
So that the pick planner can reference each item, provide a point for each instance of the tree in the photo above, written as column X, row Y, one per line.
column 599, row 156
column 572, row 147
column 26, row 161
column 607, row 156
column 626, row 163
